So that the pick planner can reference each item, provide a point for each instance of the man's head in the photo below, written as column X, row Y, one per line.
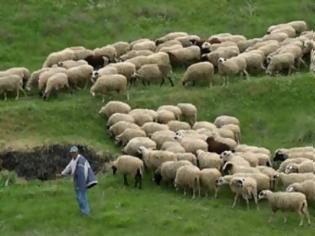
column 74, row 151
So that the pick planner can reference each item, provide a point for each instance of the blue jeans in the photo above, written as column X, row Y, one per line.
column 83, row 201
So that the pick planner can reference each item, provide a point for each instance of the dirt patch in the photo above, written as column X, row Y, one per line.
column 44, row 162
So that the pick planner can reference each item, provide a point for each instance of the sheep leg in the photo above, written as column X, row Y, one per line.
column 256, row 201
column 301, row 218
column 271, row 217
column 210, row 84
column 23, row 91
column 127, row 95
column 5, row 96
column 285, row 220
column 215, row 193
column 247, row 202
column 246, row 74
column 302, row 61
column 235, row 200
column 185, row 192
column 306, row 213
column 125, row 180
column 162, row 82
column 171, row 81
column 17, row 94
column 262, row 66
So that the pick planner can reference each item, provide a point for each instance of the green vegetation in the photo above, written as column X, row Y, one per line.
column 274, row 112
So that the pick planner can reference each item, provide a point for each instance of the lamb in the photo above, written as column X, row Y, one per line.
column 121, row 47
column 186, row 156
column 307, row 187
column 71, row 63
column 11, row 83
column 163, row 136
column 114, row 107
column 108, row 83
column 188, row 177
column 79, row 75
column 280, row 62
column 165, row 116
column 132, row 147
column 304, row 167
column 287, row 179
column 232, row 66
column 176, row 110
column 120, row 127
column 185, row 56
column 54, row 83
column 116, row 117
column 167, row 171
column 154, row 158
column 107, row 51
column 208, row 180
column 129, row 165
column 233, row 168
column 189, row 112
column 152, row 127
column 192, row 145
column 55, row 57
column 129, row 134
column 285, row 201
column 208, row 160
column 153, row 73
column 202, row 71
column 176, row 125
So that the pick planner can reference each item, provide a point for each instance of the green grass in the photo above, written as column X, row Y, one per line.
column 274, row 112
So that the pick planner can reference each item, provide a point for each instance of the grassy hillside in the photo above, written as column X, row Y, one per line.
column 274, row 112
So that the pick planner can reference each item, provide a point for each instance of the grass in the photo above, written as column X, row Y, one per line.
column 274, row 112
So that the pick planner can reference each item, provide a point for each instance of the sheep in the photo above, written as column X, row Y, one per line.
column 144, row 45
column 215, row 46
column 176, row 110
column 11, row 83
column 244, row 44
column 114, row 107
column 247, row 148
column 132, row 147
column 307, row 187
column 129, row 134
column 225, row 133
column 208, row 160
column 228, row 156
column 147, row 112
column 97, row 61
column 304, row 167
column 188, row 40
column 167, row 171
column 23, row 72
column 107, row 70
column 225, row 120
column 304, row 152
column 280, row 62
column 285, row 201
column 172, row 146
column 44, row 76
column 287, row 179
column 312, row 62
column 151, row 127
column 169, row 43
column 191, row 134
column 208, row 179
column 160, row 58
column 236, row 131
column 124, row 68
column 186, row 156
column 107, row 51
column 295, row 50
column 154, row 158
column 170, row 36
column 33, row 80
column 165, row 116
column 55, row 57
column 185, row 56
column 108, row 83
column 232, row 66
column 135, row 53
column 271, row 173
column 198, row 72
column 176, row 125
column 217, row 146
column 168, row 49
column 221, row 52
column 189, row 112
column 278, row 36
column 204, row 124
column 256, row 159
column 139, row 61
column 254, row 60
column 80, row 53
column 163, row 136
column 71, row 63
column 129, row 165
column 54, row 83
column 299, row 26
column 192, row 145
column 287, row 162
column 120, row 127
column 121, row 48
column 285, row 28
column 153, row 73
column 79, row 75
column 233, row 168
column 188, row 177
column 140, row 117
column 263, row 181
column 116, row 117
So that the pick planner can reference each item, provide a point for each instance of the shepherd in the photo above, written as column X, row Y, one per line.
column 83, row 178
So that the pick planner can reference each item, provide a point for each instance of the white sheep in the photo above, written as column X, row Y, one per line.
column 120, row 127
column 221, row 52
column 307, row 187
column 192, row 145
column 233, row 168
column 289, row 161
column 124, row 68
column 139, row 111
column 189, row 112
column 56, row 82
column 304, row 167
column 225, row 120
column 11, row 83
column 55, row 57
column 287, row 179
column 129, row 165
column 135, row 53
column 44, row 76
column 141, row 117
column 188, row 177
column 71, row 63
column 176, row 110
column 176, row 125
column 204, row 125
column 132, row 147
column 186, row 156
column 163, row 136
column 208, row 180
column 173, row 146
column 116, row 117
column 280, row 62
column 129, row 134
column 107, row 51
column 79, row 75
column 121, row 47
column 152, row 127
column 199, row 72
column 167, row 171
column 165, row 116
column 152, row 73
column 114, row 107
column 208, row 160
column 23, row 72
column 185, row 56
column 33, row 80
column 271, row 173
column 286, row 201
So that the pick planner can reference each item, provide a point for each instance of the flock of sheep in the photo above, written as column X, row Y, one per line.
column 201, row 156
column 113, row 67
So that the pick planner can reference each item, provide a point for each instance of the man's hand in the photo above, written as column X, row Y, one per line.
column 58, row 175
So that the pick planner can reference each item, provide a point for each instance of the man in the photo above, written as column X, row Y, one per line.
column 83, row 178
